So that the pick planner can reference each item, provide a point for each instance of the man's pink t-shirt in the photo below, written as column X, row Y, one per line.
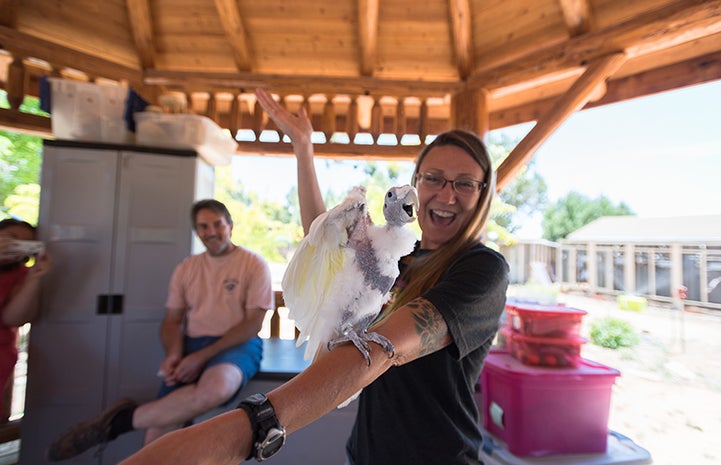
column 217, row 291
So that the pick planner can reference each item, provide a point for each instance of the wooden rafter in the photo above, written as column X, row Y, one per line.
column 577, row 14
column 25, row 45
column 460, row 13
column 577, row 96
column 301, row 84
column 9, row 10
column 676, row 23
column 232, row 22
column 368, row 35
column 141, row 25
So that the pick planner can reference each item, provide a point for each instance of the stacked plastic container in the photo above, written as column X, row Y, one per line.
column 539, row 397
column 544, row 335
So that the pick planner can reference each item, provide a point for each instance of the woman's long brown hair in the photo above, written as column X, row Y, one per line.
column 423, row 272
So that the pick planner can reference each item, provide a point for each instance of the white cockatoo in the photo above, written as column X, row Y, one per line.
column 341, row 274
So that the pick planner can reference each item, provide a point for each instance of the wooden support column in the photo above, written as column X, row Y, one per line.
column 351, row 121
column 423, row 122
column 211, row 107
column 376, row 119
column 577, row 96
column 469, row 111
column 328, row 125
column 16, row 83
column 258, row 117
column 400, row 127
column 235, row 116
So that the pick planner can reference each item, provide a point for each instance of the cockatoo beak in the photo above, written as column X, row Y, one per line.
column 410, row 202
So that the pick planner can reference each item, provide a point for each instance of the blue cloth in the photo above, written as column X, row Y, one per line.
column 247, row 357
column 44, row 94
column 133, row 103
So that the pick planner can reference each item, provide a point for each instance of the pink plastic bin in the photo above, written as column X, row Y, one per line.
column 539, row 411
column 556, row 321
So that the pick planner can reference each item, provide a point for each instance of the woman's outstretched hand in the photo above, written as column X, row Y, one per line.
column 296, row 126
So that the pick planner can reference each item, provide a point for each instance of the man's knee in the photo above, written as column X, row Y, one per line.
column 218, row 384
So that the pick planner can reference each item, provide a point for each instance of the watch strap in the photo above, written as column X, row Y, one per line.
column 262, row 419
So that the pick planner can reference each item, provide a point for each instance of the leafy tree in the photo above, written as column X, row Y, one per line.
column 524, row 195
column 20, row 159
column 259, row 225
column 575, row 210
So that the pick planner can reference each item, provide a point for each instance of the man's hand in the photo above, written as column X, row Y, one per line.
column 190, row 367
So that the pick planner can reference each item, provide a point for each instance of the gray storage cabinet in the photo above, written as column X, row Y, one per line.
column 116, row 221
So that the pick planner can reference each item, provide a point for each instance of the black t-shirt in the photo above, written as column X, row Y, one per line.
column 424, row 412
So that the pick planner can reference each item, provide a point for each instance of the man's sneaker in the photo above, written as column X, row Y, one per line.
column 81, row 437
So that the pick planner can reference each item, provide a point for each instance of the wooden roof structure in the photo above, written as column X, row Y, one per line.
column 399, row 67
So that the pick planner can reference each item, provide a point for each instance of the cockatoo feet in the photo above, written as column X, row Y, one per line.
column 361, row 340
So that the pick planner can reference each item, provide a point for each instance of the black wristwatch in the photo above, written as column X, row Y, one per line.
column 268, row 434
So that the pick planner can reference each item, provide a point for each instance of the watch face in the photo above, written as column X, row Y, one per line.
column 271, row 444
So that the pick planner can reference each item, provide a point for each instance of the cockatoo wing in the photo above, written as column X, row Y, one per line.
column 309, row 281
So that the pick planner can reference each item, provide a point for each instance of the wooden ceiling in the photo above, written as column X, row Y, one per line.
column 399, row 67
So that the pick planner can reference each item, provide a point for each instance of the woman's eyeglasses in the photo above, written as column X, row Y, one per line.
column 462, row 186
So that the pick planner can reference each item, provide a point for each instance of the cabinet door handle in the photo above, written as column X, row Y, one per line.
column 102, row 304
column 109, row 304
column 116, row 304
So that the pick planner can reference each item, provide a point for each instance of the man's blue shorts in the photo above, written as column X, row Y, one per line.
column 247, row 357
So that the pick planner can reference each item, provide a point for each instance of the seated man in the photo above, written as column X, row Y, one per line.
column 216, row 304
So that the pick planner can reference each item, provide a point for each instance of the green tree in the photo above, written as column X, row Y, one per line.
column 524, row 195
column 576, row 210
column 20, row 160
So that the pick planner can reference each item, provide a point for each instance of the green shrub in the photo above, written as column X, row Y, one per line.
column 613, row 333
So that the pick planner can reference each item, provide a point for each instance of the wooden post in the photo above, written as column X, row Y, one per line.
column 328, row 125
column 16, row 83
column 400, row 128
column 376, row 119
column 351, row 121
column 469, row 111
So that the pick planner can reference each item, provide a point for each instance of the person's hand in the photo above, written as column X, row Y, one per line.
column 167, row 369
column 190, row 367
column 296, row 126
column 7, row 249
column 42, row 265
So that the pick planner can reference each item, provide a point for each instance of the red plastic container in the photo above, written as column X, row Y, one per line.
column 539, row 411
column 556, row 321
column 546, row 351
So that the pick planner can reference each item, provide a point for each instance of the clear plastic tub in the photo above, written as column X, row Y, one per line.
column 556, row 321
column 86, row 111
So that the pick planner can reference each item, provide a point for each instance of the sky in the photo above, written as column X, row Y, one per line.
column 661, row 155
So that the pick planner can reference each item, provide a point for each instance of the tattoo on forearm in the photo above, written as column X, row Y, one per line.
column 429, row 326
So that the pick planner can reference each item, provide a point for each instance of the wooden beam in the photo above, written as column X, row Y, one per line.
column 368, row 35
column 460, row 12
column 573, row 100
column 577, row 14
column 235, row 33
column 300, row 84
column 9, row 15
column 469, row 111
column 141, row 25
column 334, row 151
column 25, row 123
column 21, row 44
column 679, row 22
column 691, row 72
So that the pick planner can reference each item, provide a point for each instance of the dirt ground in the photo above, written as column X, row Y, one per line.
column 668, row 397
